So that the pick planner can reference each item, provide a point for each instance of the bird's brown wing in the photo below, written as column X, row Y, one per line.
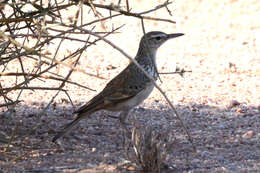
column 117, row 90
column 103, row 101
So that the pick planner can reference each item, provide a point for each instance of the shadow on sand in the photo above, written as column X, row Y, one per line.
column 227, row 139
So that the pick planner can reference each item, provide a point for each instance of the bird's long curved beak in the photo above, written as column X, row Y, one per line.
column 174, row 35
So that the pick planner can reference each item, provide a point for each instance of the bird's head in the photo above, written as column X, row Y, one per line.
column 153, row 40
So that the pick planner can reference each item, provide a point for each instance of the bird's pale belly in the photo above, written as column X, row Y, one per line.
column 138, row 99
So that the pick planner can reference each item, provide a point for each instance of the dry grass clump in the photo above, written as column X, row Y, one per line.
column 150, row 149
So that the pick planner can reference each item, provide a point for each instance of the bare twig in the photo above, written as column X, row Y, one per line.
column 34, row 52
column 116, row 8
column 178, row 71
column 31, row 88
column 9, row 103
column 45, row 77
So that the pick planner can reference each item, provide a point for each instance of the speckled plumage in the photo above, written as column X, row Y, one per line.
column 130, row 87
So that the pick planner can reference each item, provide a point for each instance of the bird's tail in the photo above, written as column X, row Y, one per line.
column 67, row 128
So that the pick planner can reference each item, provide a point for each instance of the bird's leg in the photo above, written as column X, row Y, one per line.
column 122, row 119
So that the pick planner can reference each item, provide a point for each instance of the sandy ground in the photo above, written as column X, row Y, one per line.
column 219, row 101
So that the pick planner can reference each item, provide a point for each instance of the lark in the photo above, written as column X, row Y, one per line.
column 130, row 87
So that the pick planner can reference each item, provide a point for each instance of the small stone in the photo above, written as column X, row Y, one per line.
column 248, row 134
column 234, row 103
column 239, row 110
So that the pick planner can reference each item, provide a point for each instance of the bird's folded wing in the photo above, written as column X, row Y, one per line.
column 105, row 98
column 120, row 96
column 91, row 105
column 119, row 89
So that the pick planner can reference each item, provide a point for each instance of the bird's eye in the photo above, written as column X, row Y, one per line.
column 158, row 38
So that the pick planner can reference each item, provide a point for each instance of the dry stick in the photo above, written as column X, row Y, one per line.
column 28, row 17
column 176, row 72
column 127, row 6
column 19, row 11
column 42, row 11
column 96, row 13
column 20, row 59
column 56, row 52
column 70, row 30
column 16, row 20
column 34, row 52
column 147, row 75
column 119, row 2
column 168, row 10
column 31, row 88
column 99, row 20
column 77, row 14
column 45, row 77
column 126, row 13
column 57, row 8
column 51, row 36
column 71, row 55
column 4, row 95
column 81, row 15
column 9, row 103
column 165, row 4
column 56, row 3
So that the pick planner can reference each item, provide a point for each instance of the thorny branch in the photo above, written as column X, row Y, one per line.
column 26, row 34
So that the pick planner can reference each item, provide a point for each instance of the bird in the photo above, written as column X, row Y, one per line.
column 130, row 87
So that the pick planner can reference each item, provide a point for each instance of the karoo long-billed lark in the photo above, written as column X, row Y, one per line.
column 130, row 87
